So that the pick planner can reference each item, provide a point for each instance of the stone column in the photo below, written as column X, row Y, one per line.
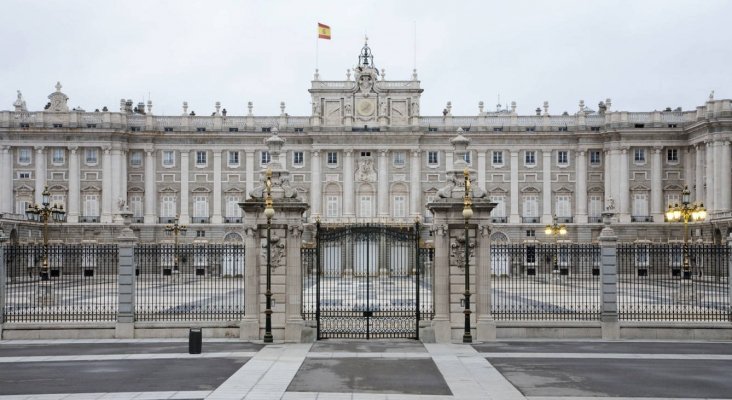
column 249, row 327
column 725, row 176
column 6, row 180
column 184, row 178
column 293, row 283
column 608, row 257
column 249, row 171
column 718, row 173
column 514, row 218
column 607, row 177
column 41, row 180
column 74, row 185
column 316, row 192
column 107, row 195
column 481, row 169
column 415, row 189
column 581, row 179
column 116, row 178
column 624, row 192
column 486, row 325
column 348, row 195
column 546, row 190
column 656, row 185
column 699, row 172
column 123, row 175
column 689, row 174
column 383, row 184
column 441, row 292
column 150, row 193
column 216, row 217
column 709, row 199
column 125, row 326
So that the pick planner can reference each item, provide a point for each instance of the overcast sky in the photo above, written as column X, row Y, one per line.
column 645, row 55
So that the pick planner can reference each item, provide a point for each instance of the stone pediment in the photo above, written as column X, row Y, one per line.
column 136, row 189
column 91, row 188
column 24, row 189
column 564, row 189
column 640, row 188
column 168, row 189
column 673, row 188
column 596, row 189
column 530, row 189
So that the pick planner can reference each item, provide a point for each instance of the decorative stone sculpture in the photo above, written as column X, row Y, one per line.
column 58, row 100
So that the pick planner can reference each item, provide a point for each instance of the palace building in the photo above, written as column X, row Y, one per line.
column 367, row 154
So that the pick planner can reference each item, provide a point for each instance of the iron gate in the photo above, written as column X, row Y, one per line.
column 368, row 282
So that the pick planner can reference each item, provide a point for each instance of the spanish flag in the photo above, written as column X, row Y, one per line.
column 323, row 31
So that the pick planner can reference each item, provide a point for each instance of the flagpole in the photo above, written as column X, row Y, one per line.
column 317, row 39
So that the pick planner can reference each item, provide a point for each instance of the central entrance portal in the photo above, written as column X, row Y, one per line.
column 367, row 282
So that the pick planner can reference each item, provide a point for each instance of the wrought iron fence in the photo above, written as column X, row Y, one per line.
column 82, row 284
column 546, row 281
column 652, row 284
column 189, row 282
column 309, row 294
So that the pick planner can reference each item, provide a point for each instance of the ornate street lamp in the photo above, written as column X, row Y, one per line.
column 467, row 214
column 43, row 214
column 684, row 213
column 175, row 229
column 269, row 212
column 556, row 231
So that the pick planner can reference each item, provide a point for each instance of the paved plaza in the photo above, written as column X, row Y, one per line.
column 336, row 369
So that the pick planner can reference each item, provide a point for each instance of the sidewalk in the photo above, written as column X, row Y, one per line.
column 399, row 370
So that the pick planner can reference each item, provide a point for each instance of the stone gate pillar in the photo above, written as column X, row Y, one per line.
column 449, row 240
column 286, row 227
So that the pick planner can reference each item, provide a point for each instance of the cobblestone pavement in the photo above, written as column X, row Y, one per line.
column 368, row 370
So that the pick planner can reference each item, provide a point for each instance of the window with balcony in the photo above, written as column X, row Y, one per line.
column 91, row 205
column 366, row 206
column 640, row 207
column 399, row 206
column 594, row 208
column 168, row 206
column 200, row 209
column 332, row 206
column 136, row 206
column 233, row 210
column 563, row 207
column 531, row 207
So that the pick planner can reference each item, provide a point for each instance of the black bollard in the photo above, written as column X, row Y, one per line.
column 195, row 338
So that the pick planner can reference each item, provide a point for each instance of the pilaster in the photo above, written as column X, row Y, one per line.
column 581, row 189
column 106, row 217
column 150, row 192
column 383, row 184
column 546, row 191
column 216, row 218
column 709, row 199
column 624, row 181
column 74, row 185
column 725, row 183
column 185, row 166
column 514, row 218
column 699, row 174
column 657, row 209
column 415, row 189
column 315, row 184
column 249, row 171
column 40, row 160
column 348, row 195
column 6, row 180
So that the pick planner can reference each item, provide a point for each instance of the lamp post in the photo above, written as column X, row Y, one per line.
column 467, row 214
column 175, row 229
column 43, row 214
column 683, row 213
column 269, row 212
column 556, row 231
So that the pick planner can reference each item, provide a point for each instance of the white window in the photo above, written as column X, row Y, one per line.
column 136, row 206
column 91, row 205
column 531, row 206
column 167, row 206
column 672, row 155
column 500, row 210
column 595, row 157
column 564, row 206
column 530, row 157
column 200, row 206
column 640, row 204
column 466, row 157
column 233, row 158
column 58, row 155
column 232, row 207
column 497, row 158
column 168, row 158
column 201, row 158
column 399, row 158
column 594, row 208
column 332, row 157
column 265, row 158
column 399, row 206
column 90, row 156
column 432, row 158
column 297, row 158
column 24, row 156
column 365, row 206
column 58, row 200
column 562, row 158
column 136, row 158
column 332, row 204
column 639, row 156
column 673, row 199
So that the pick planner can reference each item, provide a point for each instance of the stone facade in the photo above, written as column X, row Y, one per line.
column 367, row 154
